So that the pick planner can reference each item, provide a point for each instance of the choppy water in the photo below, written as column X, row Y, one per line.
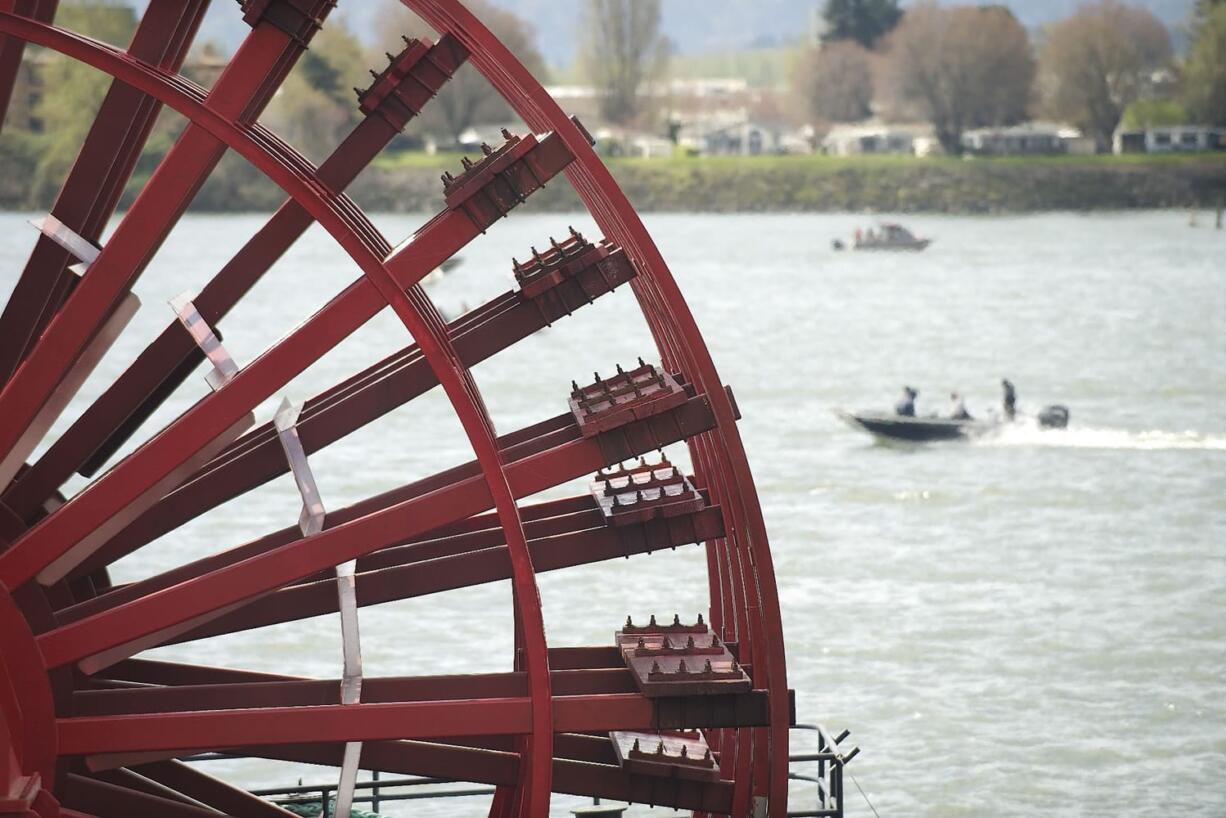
column 1030, row 622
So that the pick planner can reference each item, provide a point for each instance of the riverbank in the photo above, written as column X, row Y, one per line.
column 885, row 184
column 409, row 182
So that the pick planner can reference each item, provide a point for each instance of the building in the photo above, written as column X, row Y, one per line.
column 1027, row 139
column 1170, row 139
column 621, row 142
column 878, row 138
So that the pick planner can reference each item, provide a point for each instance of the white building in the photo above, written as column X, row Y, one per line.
column 1170, row 139
column 732, row 134
column 854, row 140
column 1026, row 139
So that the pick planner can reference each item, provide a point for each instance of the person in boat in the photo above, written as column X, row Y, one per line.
column 1010, row 399
column 906, row 405
column 957, row 409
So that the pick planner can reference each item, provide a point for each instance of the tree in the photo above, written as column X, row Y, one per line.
column 623, row 49
column 315, row 107
column 1203, row 8
column 961, row 67
column 1096, row 62
column 1204, row 73
column 865, row 21
column 467, row 99
column 836, row 82
column 73, row 90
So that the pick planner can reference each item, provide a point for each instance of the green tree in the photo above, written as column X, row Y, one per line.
column 1153, row 113
column 624, row 49
column 1099, row 60
column 74, row 91
column 315, row 107
column 865, row 21
column 1204, row 7
column 1204, row 73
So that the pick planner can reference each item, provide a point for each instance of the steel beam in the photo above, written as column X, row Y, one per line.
column 275, row 563
column 166, row 362
column 252, row 76
column 104, row 165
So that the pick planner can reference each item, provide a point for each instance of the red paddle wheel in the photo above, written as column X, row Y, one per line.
column 690, row 714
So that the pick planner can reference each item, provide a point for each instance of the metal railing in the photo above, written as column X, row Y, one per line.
column 829, row 759
column 373, row 792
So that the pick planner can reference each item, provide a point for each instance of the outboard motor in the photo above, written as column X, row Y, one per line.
column 1054, row 417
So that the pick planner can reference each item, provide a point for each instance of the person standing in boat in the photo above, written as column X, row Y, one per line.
column 1010, row 399
column 906, row 406
column 957, row 409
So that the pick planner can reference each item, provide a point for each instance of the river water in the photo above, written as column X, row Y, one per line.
column 1030, row 622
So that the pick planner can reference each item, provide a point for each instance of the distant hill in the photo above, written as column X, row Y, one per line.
column 695, row 26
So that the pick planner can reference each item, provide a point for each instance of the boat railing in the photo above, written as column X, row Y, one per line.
column 829, row 759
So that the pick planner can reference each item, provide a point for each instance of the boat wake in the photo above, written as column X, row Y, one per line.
column 1085, row 437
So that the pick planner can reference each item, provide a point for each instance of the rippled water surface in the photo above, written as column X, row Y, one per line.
column 1035, row 621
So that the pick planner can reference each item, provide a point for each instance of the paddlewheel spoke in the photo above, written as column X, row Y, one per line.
column 90, row 725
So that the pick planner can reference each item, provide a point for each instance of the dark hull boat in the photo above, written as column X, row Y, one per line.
column 891, row 426
column 900, row 244
column 916, row 430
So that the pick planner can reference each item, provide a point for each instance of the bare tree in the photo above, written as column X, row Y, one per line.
column 467, row 99
column 1096, row 62
column 836, row 81
column 961, row 67
column 623, row 49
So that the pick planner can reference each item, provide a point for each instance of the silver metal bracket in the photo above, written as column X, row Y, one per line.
column 82, row 248
column 224, row 368
column 311, row 522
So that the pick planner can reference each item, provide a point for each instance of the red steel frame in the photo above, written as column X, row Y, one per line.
column 49, row 624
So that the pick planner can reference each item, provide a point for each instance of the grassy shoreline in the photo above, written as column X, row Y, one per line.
column 409, row 182
column 873, row 183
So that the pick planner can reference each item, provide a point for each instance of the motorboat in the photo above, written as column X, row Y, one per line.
column 916, row 429
column 889, row 237
column 892, row 426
